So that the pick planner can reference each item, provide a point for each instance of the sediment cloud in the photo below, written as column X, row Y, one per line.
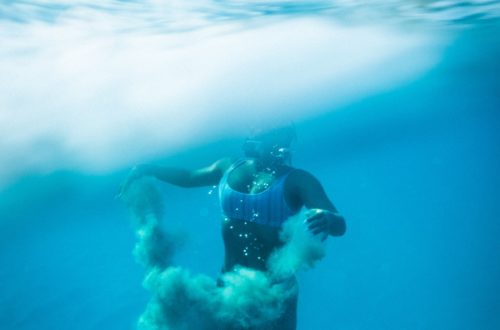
column 243, row 297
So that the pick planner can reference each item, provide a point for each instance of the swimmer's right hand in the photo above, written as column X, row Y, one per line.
column 136, row 173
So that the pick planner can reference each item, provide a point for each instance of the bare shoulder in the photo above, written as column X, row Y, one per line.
column 299, row 178
column 307, row 191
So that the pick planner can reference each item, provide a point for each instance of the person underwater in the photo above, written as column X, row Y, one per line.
column 258, row 193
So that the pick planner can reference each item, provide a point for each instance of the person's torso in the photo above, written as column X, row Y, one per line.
column 254, row 208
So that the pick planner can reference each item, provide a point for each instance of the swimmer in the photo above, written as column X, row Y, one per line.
column 258, row 193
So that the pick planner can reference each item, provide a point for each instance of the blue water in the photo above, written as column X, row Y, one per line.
column 413, row 166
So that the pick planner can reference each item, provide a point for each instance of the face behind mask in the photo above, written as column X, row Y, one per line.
column 272, row 147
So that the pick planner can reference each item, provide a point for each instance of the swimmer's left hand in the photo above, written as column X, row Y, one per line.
column 320, row 221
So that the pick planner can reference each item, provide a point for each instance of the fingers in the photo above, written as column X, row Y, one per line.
column 122, row 191
column 314, row 217
column 319, row 230
column 134, row 174
column 125, row 185
column 317, row 224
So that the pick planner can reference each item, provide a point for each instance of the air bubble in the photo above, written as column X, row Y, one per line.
column 211, row 191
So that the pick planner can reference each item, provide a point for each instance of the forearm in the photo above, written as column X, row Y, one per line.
column 176, row 176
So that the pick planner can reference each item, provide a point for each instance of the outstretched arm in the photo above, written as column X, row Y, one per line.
column 205, row 176
column 312, row 195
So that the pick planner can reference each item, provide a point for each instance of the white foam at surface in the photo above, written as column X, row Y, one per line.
column 78, row 94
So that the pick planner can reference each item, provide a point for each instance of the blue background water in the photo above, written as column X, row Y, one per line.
column 414, row 169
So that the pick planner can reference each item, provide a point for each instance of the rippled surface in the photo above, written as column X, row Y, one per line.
column 175, row 15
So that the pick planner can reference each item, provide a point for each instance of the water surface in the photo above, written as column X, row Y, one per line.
column 396, row 105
